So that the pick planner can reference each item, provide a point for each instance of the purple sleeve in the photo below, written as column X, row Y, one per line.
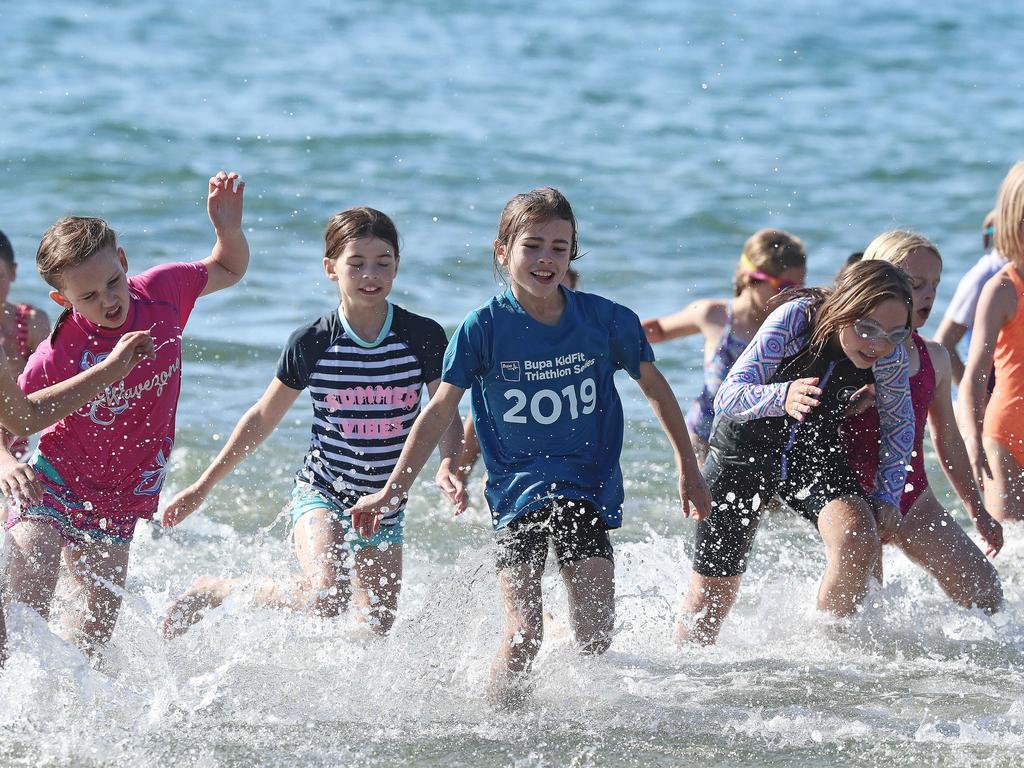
column 746, row 394
column 896, row 422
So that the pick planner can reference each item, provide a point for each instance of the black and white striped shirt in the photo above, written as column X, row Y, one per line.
column 366, row 397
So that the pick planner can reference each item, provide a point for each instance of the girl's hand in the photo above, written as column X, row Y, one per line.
column 367, row 513
column 19, row 483
column 801, row 397
column 991, row 532
column 183, row 505
column 861, row 400
column 694, row 491
column 888, row 518
column 130, row 350
column 224, row 203
column 452, row 486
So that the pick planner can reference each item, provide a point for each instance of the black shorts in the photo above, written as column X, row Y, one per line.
column 574, row 528
column 740, row 492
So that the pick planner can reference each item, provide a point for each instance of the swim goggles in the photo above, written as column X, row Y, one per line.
column 869, row 330
column 777, row 283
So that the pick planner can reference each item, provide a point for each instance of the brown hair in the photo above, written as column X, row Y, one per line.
column 539, row 204
column 71, row 241
column 896, row 245
column 771, row 251
column 857, row 291
column 1010, row 215
column 354, row 223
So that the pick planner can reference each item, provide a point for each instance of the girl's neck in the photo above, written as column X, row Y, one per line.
column 745, row 307
column 366, row 320
column 546, row 310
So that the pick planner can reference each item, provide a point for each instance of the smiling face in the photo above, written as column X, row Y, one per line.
column 538, row 258
column 925, row 270
column 97, row 288
column 888, row 317
column 364, row 271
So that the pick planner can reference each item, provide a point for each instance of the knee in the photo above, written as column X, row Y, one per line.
column 860, row 543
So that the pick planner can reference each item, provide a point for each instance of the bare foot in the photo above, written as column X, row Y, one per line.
column 205, row 592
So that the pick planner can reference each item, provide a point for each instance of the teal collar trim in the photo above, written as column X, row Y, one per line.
column 384, row 331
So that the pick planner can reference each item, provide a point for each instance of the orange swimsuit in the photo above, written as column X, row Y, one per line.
column 1004, row 416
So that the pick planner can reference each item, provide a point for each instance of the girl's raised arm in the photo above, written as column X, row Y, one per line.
column 251, row 430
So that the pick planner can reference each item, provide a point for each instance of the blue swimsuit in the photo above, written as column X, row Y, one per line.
column 701, row 415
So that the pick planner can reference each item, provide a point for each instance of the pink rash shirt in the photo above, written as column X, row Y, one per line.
column 113, row 452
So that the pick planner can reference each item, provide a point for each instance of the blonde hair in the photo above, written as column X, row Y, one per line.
column 71, row 241
column 771, row 251
column 1010, row 215
column 896, row 245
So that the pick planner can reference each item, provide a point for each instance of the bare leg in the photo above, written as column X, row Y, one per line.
column 847, row 526
column 33, row 564
column 933, row 540
column 521, row 636
column 1004, row 491
column 100, row 568
column 591, row 587
column 707, row 603
column 376, row 582
column 323, row 588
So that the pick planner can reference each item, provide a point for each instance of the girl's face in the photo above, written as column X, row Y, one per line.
column 925, row 269
column 875, row 335
column 364, row 271
column 538, row 257
column 765, row 289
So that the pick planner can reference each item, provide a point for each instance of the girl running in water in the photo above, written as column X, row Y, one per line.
column 994, row 435
column 772, row 261
column 927, row 534
column 540, row 361
column 777, row 433
column 366, row 365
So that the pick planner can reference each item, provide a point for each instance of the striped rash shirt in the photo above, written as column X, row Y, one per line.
column 366, row 396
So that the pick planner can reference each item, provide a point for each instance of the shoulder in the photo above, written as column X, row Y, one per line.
column 410, row 322
column 708, row 313
column 38, row 324
column 320, row 330
column 595, row 305
column 939, row 356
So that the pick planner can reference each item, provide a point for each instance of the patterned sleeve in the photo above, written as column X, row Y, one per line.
column 896, row 422
column 746, row 394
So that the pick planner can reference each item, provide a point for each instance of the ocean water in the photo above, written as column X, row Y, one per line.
column 676, row 129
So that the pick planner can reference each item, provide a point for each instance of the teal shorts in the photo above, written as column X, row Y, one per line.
column 305, row 499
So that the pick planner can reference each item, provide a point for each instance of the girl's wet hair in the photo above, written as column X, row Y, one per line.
column 858, row 290
column 1010, row 216
column 896, row 245
column 6, row 249
column 355, row 223
column 771, row 251
column 541, row 204
column 71, row 241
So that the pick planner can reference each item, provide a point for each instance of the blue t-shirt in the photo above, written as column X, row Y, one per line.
column 546, row 410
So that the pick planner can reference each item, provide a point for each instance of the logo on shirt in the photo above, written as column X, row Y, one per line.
column 510, row 370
